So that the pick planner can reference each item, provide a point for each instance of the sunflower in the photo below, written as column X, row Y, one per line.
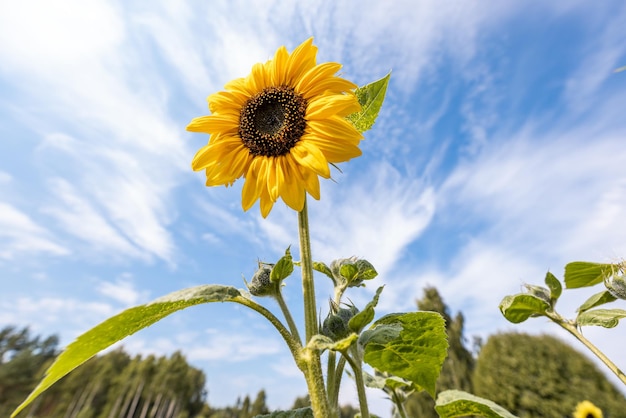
column 279, row 128
column 586, row 409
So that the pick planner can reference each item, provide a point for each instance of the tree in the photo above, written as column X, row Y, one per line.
column 535, row 376
column 22, row 360
column 458, row 366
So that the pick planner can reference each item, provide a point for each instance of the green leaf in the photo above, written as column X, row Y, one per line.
column 456, row 403
column 124, row 324
column 597, row 300
column 555, row 287
column 322, row 342
column 361, row 319
column 380, row 382
column 348, row 271
column 294, row 413
column 283, row 268
column 371, row 97
column 323, row 268
column 520, row 307
column 583, row 274
column 607, row 318
column 417, row 353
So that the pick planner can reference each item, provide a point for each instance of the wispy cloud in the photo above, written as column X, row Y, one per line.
column 20, row 234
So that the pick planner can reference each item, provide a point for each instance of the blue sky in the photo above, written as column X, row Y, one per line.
column 499, row 154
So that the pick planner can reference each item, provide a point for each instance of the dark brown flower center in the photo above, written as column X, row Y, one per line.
column 272, row 122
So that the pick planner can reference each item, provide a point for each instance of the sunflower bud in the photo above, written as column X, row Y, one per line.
column 335, row 325
column 261, row 285
column 616, row 285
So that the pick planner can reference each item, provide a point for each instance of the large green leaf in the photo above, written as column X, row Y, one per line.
column 583, row 273
column 597, row 300
column 371, row 97
column 520, row 307
column 416, row 353
column 124, row 324
column 607, row 318
column 456, row 403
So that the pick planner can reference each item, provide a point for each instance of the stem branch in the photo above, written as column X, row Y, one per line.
column 572, row 329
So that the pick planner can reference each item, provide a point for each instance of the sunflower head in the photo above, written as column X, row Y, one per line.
column 586, row 409
column 279, row 128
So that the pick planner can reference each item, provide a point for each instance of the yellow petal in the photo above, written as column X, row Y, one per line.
column 329, row 105
column 335, row 128
column 310, row 157
column 300, row 61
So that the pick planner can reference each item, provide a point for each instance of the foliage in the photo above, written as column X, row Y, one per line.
column 458, row 366
column 534, row 376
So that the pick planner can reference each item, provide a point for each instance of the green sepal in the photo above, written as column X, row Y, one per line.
column 520, row 307
column 583, row 274
column 322, row 342
column 294, row 413
column 418, row 351
column 122, row 325
column 371, row 98
column 539, row 291
column 283, row 267
column 456, row 403
column 596, row 300
column 607, row 318
column 361, row 319
column 555, row 287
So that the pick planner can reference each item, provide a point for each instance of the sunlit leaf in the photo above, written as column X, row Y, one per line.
column 361, row 319
column 520, row 307
column 456, row 403
column 607, row 318
column 371, row 97
column 597, row 300
column 122, row 325
column 583, row 273
column 555, row 287
column 416, row 353
column 283, row 267
column 322, row 342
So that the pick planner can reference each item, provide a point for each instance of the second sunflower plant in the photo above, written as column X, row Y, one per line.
column 281, row 128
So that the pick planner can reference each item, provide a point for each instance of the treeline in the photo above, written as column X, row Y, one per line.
column 531, row 376
column 107, row 386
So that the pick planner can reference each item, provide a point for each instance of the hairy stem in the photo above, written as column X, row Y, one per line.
column 360, row 385
column 312, row 364
column 308, row 286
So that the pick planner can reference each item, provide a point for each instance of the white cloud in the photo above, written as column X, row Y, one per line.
column 20, row 234
column 123, row 291
column 234, row 347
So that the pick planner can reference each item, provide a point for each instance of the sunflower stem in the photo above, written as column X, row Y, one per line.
column 313, row 370
column 308, row 286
